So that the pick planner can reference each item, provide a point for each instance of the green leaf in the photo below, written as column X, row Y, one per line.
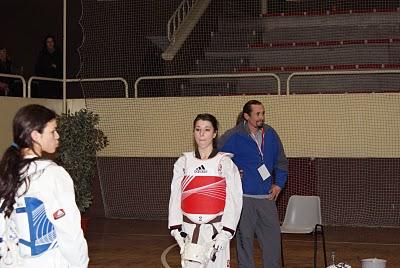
column 80, row 139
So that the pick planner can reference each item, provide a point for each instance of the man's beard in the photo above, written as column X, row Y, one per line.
column 260, row 124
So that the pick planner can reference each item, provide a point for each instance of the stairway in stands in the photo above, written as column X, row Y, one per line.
column 283, row 43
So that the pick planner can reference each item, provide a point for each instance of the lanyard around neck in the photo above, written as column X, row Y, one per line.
column 259, row 146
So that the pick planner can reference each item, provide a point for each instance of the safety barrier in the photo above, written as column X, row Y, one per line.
column 336, row 73
column 74, row 81
column 208, row 76
column 17, row 77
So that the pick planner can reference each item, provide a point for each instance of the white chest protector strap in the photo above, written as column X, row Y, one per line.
column 9, row 243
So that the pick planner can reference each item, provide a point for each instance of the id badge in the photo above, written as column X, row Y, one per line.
column 264, row 172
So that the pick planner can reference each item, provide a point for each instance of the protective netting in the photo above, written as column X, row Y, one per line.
column 342, row 147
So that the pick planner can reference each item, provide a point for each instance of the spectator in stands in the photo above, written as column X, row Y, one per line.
column 9, row 86
column 49, row 64
column 39, row 220
column 5, row 68
column 206, row 199
column 259, row 155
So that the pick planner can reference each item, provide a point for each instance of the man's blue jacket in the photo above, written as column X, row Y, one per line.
column 248, row 158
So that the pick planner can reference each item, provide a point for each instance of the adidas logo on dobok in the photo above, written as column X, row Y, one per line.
column 200, row 169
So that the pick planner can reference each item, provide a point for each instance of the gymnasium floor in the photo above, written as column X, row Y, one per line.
column 138, row 243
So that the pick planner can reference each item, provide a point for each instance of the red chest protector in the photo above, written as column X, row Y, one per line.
column 203, row 189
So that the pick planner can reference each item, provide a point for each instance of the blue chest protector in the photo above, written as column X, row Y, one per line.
column 42, row 236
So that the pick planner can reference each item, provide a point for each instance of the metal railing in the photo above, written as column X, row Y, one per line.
column 336, row 73
column 41, row 79
column 103, row 79
column 78, row 80
column 26, row 87
column 205, row 76
column 17, row 77
column 74, row 81
column 177, row 18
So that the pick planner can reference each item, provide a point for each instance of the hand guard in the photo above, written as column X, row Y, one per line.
column 222, row 240
column 179, row 239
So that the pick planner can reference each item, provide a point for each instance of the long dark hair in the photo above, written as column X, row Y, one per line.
column 212, row 120
column 13, row 164
column 247, row 108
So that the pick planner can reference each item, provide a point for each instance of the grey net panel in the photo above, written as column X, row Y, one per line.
column 341, row 137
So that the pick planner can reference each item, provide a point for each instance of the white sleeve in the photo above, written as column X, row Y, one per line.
column 175, row 216
column 66, row 218
column 234, row 194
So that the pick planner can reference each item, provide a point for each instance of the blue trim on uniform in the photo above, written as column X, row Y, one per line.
column 20, row 210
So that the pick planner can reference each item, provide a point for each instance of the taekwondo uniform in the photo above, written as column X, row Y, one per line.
column 206, row 198
column 44, row 228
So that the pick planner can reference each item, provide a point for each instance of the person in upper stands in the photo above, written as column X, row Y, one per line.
column 9, row 86
column 5, row 68
column 49, row 64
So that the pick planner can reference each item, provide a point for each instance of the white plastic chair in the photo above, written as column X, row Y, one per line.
column 303, row 216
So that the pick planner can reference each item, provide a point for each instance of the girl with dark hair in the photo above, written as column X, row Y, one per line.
column 39, row 219
column 206, row 199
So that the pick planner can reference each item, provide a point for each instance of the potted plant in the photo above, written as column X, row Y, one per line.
column 80, row 140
